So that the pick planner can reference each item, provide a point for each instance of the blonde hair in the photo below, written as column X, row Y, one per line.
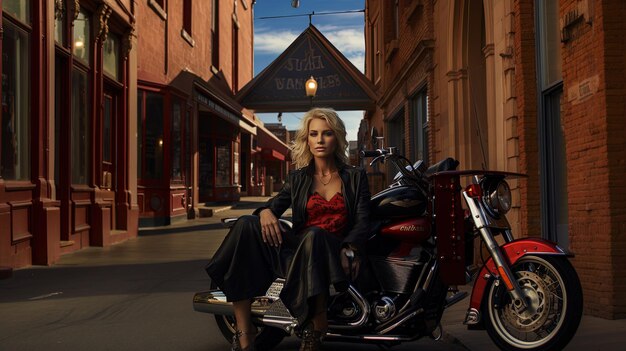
column 301, row 156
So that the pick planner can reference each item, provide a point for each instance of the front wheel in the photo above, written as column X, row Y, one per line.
column 553, row 293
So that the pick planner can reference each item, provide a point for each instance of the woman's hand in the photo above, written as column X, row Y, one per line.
column 345, row 263
column 270, row 228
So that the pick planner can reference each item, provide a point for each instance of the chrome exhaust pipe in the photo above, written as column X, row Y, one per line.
column 215, row 302
column 267, row 310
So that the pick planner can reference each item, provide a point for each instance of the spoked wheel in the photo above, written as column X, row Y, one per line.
column 267, row 337
column 553, row 293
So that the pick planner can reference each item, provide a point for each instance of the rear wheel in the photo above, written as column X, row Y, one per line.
column 267, row 337
column 553, row 293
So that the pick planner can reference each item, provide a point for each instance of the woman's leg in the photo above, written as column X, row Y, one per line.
column 320, row 318
column 315, row 265
column 244, row 267
column 244, row 323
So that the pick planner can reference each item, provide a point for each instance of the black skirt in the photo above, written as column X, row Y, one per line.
column 244, row 266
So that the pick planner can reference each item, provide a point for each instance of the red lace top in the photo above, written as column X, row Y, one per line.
column 331, row 215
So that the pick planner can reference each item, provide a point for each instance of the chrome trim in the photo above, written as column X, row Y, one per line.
column 402, row 320
column 430, row 276
column 494, row 249
column 508, row 236
column 286, row 324
column 458, row 297
column 215, row 302
column 472, row 317
column 418, row 284
column 360, row 338
column 365, row 311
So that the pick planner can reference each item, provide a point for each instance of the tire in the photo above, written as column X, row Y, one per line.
column 267, row 337
column 552, row 286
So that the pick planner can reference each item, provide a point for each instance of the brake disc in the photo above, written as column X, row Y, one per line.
column 538, row 297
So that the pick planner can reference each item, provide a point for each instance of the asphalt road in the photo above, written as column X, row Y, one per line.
column 136, row 295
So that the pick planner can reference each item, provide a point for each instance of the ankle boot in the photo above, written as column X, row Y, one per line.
column 311, row 340
column 236, row 346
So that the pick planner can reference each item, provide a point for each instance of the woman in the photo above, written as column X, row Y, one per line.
column 330, row 209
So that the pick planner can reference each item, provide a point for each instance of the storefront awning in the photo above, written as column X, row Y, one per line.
column 213, row 97
column 272, row 155
column 272, row 148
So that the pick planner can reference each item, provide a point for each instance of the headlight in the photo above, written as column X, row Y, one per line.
column 498, row 197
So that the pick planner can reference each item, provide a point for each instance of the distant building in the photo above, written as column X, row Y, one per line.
column 279, row 130
column 353, row 151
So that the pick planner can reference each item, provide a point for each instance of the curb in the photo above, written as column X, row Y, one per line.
column 5, row 272
column 210, row 211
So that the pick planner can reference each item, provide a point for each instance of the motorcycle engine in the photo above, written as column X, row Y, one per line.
column 384, row 309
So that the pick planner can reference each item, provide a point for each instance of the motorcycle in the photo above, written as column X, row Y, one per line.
column 526, row 294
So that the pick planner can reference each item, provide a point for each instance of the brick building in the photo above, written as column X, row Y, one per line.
column 193, row 57
column 525, row 86
column 123, row 114
column 68, row 80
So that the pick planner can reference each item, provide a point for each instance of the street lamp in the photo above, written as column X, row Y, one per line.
column 311, row 88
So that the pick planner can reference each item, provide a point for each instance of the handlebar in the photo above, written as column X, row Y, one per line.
column 374, row 153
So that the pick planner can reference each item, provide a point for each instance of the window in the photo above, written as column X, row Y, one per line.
column 376, row 55
column 107, row 130
column 419, row 126
column 187, row 16
column 553, row 182
column 59, row 22
column 82, row 38
column 111, row 55
column 224, row 166
column 215, row 35
column 140, row 129
column 549, row 43
column 235, row 163
column 152, row 137
column 81, row 128
column 19, row 9
column 396, row 20
column 176, row 141
column 15, row 96
column 235, row 56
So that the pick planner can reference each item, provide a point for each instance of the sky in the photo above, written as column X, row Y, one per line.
column 273, row 35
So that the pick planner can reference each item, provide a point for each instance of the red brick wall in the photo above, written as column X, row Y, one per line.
column 593, row 74
column 584, row 120
column 526, row 90
column 161, row 59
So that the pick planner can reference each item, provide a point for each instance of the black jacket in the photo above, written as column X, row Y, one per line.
column 356, row 194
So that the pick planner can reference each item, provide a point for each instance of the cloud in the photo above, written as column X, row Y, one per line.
column 349, row 42
column 273, row 42
column 358, row 61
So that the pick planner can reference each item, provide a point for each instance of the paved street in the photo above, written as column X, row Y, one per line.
column 137, row 296
column 132, row 296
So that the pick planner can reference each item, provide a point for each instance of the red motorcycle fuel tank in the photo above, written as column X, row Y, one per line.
column 410, row 230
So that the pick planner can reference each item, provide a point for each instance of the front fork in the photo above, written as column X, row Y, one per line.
column 506, row 275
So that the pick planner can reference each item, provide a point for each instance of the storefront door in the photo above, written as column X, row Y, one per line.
column 108, row 136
